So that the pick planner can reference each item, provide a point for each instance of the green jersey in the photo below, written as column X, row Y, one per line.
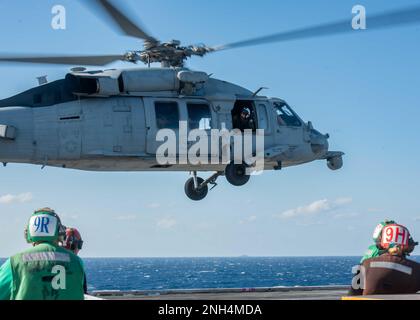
column 44, row 272
column 372, row 252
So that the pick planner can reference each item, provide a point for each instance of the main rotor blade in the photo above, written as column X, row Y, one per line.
column 125, row 24
column 67, row 60
column 406, row 16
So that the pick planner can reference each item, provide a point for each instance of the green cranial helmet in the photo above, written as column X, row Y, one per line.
column 44, row 226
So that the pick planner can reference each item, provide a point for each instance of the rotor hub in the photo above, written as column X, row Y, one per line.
column 168, row 53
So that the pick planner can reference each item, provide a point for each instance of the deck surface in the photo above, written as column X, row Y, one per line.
column 301, row 293
column 278, row 293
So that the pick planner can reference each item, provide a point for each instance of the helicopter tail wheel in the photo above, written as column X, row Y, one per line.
column 196, row 191
column 335, row 163
column 236, row 174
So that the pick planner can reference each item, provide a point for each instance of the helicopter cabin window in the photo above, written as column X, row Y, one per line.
column 244, row 116
column 199, row 116
column 285, row 115
column 167, row 115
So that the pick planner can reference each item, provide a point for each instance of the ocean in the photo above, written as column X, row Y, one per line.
column 201, row 273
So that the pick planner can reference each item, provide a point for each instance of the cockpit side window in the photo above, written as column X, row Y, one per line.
column 285, row 115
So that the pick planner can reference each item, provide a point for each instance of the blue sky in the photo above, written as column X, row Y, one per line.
column 361, row 88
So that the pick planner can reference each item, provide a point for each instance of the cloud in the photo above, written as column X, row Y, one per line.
column 314, row 208
column 166, row 223
column 19, row 198
column 307, row 210
column 343, row 201
column 248, row 220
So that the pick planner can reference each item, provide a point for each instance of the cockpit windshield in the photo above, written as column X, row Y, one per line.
column 285, row 115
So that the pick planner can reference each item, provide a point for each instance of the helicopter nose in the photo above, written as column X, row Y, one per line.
column 319, row 142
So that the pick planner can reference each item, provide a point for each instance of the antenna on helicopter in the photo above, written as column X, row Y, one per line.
column 258, row 91
column 42, row 80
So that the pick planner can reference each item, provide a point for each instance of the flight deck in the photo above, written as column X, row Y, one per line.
column 275, row 293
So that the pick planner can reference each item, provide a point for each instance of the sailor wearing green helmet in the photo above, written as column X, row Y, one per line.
column 381, row 246
column 46, row 271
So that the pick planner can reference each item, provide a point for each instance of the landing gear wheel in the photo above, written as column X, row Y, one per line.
column 335, row 163
column 236, row 174
column 194, row 193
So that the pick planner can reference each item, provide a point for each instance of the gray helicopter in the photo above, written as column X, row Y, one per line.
column 108, row 120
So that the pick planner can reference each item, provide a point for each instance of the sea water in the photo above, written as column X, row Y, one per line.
column 201, row 273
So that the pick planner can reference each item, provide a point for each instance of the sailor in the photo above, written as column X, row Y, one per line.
column 375, row 250
column 391, row 273
column 385, row 268
column 46, row 271
column 73, row 242
column 383, row 242
column 245, row 119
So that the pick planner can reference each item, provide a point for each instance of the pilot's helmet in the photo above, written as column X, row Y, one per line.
column 245, row 113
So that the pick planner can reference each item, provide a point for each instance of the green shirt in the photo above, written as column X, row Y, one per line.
column 372, row 252
column 6, row 281
column 44, row 272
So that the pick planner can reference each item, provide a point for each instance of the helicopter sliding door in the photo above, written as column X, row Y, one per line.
column 254, row 115
column 200, row 121
column 178, row 117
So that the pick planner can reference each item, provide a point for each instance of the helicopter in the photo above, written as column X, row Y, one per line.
column 109, row 120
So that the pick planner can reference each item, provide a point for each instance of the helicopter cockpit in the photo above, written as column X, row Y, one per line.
column 245, row 115
column 285, row 115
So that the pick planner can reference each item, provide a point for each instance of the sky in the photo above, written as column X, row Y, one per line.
column 362, row 89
